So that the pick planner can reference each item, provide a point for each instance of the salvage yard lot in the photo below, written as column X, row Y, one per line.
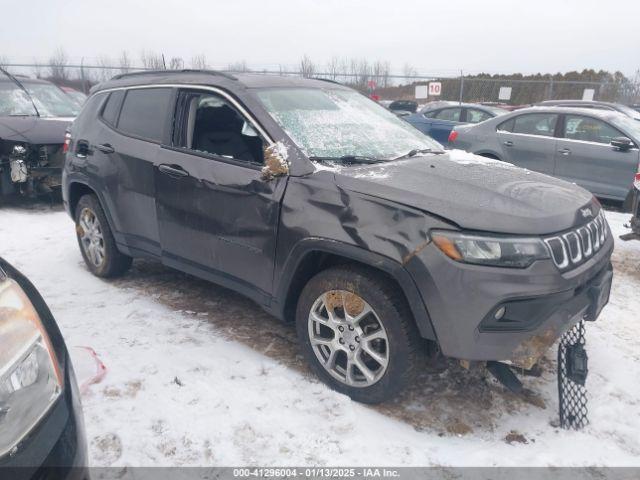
column 198, row 375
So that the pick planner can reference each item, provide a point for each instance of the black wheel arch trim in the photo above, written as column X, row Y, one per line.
column 488, row 154
column 351, row 252
column 82, row 180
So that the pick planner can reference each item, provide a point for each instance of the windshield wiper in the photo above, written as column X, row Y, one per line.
column 348, row 159
column 418, row 151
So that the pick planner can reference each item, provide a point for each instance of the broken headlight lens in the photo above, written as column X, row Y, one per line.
column 30, row 378
column 487, row 250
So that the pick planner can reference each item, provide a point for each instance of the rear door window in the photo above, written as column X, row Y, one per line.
column 542, row 124
column 144, row 113
column 449, row 114
column 476, row 116
column 589, row 129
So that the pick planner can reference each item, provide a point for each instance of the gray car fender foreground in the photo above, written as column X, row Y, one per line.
column 351, row 252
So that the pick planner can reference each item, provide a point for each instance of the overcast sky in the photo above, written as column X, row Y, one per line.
column 440, row 37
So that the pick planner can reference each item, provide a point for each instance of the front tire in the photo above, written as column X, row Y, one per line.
column 96, row 241
column 357, row 333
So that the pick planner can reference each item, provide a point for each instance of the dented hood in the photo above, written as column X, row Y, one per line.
column 474, row 192
column 34, row 130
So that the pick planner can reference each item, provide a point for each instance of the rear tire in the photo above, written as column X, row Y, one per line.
column 385, row 341
column 96, row 241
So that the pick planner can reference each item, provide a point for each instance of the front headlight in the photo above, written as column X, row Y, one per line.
column 485, row 250
column 30, row 378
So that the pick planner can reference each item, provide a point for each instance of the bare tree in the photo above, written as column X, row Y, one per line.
column 239, row 67
column 408, row 71
column 152, row 60
column 106, row 68
column 364, row 73
column 307, row 67
column 380, row 73
column 124, row 62
column 354, row 70
column 37, row 68
column 634, row 93
column 58, row 65
column 176, row 63
column 343, row 69
column 4, row 60
column 333, row 68
column 199, row 62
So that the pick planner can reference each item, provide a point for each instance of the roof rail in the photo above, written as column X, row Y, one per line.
column 326, row 80
column 172, row 72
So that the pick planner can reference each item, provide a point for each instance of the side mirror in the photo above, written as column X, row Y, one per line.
column 276, row 163
column 621, row 143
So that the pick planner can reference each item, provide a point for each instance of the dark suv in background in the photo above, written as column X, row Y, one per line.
column 328, row 210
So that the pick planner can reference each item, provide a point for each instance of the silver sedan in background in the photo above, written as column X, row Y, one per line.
column 596, row 149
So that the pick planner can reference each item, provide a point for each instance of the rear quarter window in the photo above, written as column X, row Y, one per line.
column 506, row 126
column 144, row 113
column 112, row 107
column 90, row 108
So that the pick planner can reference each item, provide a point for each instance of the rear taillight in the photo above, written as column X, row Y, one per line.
column 67, row 142
column 636, row 181
column 453, row 136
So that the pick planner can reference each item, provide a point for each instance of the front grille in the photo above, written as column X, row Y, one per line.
column 575, row 247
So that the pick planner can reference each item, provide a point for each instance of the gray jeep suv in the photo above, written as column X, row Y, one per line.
column 329, row 211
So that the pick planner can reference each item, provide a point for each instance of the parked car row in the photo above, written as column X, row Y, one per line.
column 437, row 119
column 596, row 149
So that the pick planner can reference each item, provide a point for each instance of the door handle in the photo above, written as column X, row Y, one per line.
column 175, row 171
column 508, row 143
column 105, row 148
column 564, row 151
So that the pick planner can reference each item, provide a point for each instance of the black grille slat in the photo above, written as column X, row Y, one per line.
column 573, row 248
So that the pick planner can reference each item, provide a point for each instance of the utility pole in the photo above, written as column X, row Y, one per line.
column 84, row 84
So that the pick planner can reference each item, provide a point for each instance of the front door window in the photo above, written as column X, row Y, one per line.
column 213, row 126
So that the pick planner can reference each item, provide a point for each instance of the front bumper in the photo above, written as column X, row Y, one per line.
column 542, row 302
column 39, row 174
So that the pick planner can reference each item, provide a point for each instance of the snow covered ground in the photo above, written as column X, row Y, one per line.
column 197, row 375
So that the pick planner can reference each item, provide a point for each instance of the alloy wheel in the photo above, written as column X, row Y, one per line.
column 90, row 233
column 348, row 338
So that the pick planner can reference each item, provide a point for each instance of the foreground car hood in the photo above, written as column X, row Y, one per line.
column 35, row 130
column 474, row 192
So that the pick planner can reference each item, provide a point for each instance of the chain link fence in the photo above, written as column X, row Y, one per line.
column 512, row 91
column 507, row 90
